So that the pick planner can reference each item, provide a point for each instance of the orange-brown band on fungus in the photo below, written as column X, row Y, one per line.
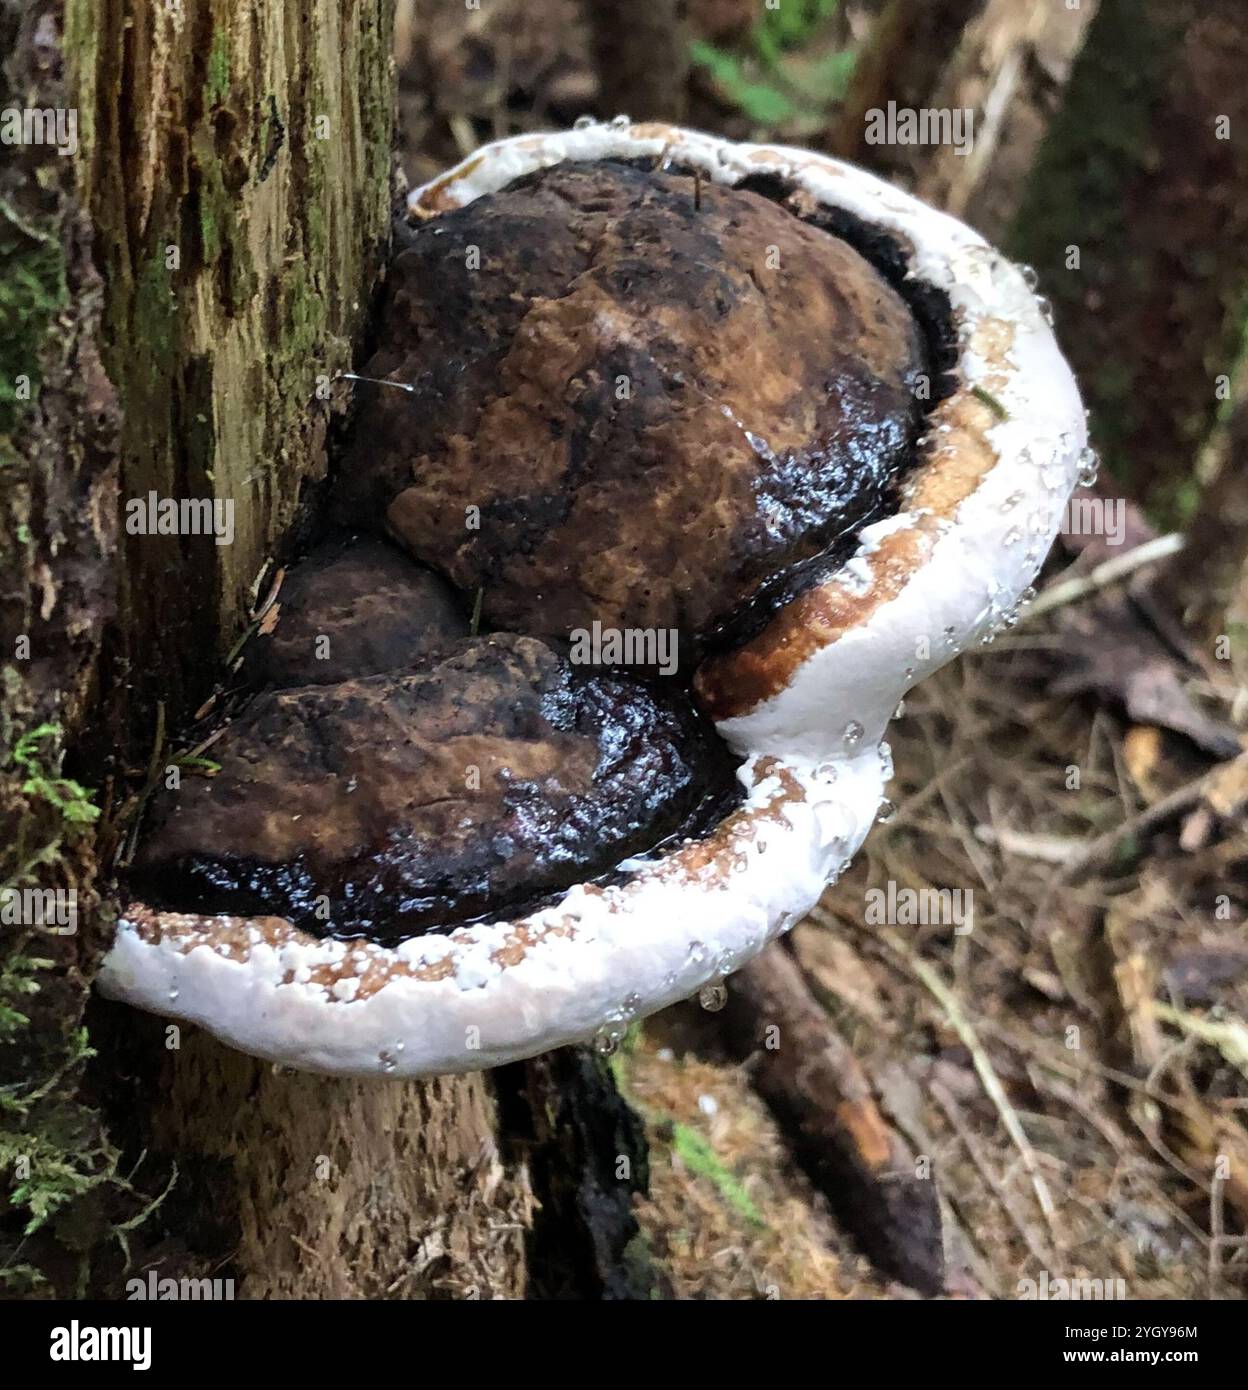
column 434, row 199
column 734, row 683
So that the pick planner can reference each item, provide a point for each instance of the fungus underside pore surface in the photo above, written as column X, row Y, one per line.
column 634, row 406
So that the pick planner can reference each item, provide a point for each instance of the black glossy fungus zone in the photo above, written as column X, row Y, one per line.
column 355, row 606
column 480, row 784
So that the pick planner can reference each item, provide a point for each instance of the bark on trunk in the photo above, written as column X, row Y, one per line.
column 186, row 289
column 58, row 488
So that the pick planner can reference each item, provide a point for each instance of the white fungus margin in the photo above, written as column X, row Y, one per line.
column 1000, row 460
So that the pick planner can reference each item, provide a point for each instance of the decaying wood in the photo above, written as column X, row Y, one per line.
column 302, row 1186
column 822, row 1097
column 238, row 175
column 587, row 1161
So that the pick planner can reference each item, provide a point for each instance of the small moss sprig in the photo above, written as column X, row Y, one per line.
column 70, row 798
column 764, row 83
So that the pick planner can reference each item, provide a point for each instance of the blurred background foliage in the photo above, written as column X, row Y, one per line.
column 790, row 71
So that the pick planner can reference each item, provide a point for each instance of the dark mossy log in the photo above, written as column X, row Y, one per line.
column 588, row 1161
column 1205, row 586
column 236, row 166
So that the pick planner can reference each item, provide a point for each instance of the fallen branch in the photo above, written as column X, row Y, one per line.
column 1105, row 574
column 1105, row 847
column 825, row 1105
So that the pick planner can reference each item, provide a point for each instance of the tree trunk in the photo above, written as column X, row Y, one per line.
column 1005, row 62
column 1008, row 72
column 182, row 294
column 641, row 48
column 58, row 489
column 908, row 48
column 1142, row 174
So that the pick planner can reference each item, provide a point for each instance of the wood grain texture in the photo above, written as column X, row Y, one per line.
column 332, row 1188
column 237, row 167
column 196, row 276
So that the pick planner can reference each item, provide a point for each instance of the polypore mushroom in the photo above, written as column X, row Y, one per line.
column 749, row 395
column 353, row 608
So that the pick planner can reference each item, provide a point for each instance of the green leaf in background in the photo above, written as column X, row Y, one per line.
column 788, row 77
column 763, row 104
column 789, row 25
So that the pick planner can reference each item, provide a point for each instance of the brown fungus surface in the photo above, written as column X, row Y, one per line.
column 633, row 399
column 353, row 608
column 480, row 782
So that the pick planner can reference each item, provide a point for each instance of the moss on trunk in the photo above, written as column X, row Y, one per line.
column 238, row 176
column 178, row 300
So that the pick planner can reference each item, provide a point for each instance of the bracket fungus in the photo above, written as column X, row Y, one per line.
column 654, row 383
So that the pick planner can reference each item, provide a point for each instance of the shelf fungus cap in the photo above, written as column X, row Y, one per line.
column 804, row 699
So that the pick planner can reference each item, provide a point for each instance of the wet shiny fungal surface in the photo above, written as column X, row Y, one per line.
column 472, row 785
column 632, row 400
column 658, row 393
column 356, row 606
